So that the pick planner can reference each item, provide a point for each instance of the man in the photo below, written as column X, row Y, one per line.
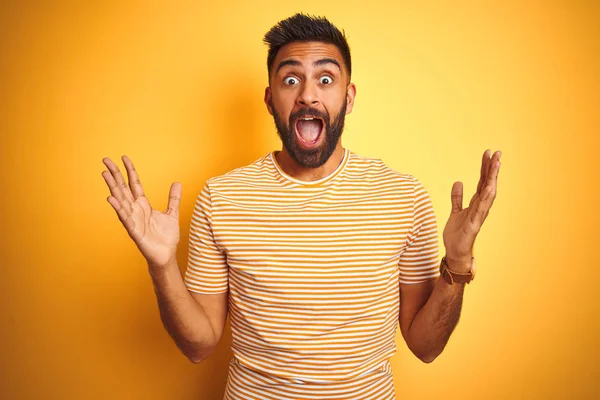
column 316, row 252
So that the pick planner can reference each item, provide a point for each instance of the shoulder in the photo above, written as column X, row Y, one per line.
column 259, row 170
column 375, row 169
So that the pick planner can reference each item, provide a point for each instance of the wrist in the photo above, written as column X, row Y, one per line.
column 461, row 264
column 157, row 270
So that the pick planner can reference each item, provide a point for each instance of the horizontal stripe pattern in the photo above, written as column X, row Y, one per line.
column 313, row 271
column 248, row 384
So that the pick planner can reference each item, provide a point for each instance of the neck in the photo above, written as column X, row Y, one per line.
column 302, row 173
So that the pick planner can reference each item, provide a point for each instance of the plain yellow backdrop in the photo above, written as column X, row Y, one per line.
column 179, row 89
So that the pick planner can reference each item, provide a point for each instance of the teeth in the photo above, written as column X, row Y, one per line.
column 308, row 119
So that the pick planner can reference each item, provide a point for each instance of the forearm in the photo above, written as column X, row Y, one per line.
column 435, row 321
column 184, row 319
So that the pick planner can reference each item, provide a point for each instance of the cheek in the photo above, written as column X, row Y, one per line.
column 333, row 108
column 335, row 100
column 283, row 106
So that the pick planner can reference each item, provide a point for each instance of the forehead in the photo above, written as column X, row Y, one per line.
column 307, row 53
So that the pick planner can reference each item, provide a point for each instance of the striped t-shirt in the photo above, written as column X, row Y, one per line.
column 313, row 272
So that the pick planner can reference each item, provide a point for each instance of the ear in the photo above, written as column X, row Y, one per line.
column 268, row 99
column 350, row 95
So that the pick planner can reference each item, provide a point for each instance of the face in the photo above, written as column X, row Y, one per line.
column 309, row 97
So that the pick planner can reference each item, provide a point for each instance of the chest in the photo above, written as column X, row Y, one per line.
column 278, row 243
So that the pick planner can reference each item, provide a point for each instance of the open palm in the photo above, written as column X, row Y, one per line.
column 464, row 224
column 156, row 234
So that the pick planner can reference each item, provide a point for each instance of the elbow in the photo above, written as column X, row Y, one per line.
column 196, row 357
column 426, row 354
column 427, row 359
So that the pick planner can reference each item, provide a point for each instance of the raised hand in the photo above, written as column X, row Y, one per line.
column 464, row 224
column 156, row 234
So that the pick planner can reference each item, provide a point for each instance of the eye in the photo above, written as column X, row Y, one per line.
column 290, row 80
column 326, row 80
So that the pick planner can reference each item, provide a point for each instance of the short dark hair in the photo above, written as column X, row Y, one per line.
column 305, row 28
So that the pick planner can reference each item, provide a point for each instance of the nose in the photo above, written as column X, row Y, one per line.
column 308, row 95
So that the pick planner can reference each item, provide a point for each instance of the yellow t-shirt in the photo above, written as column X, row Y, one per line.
column 313, row 272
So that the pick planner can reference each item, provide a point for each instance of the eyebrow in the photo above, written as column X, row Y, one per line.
column 318, row 63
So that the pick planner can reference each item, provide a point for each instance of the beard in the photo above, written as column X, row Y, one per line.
column 310, row 158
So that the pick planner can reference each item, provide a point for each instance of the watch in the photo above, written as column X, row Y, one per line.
column 454, row 277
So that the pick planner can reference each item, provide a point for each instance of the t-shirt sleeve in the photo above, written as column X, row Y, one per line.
column 207, row 270
column 419, row 261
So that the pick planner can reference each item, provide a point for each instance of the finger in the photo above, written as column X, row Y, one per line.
column 489, row 194
column 133, row 178
column 118, row 177
column 493, row 183
column 474, row 199
column 124, row 216
column 456, row 197
column 115, row 191
column 480, row 210
column 494, row 167
column 495, row 159
column 174, row 200
column 484, row 169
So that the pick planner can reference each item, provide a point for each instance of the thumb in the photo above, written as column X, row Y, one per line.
column 456, row 197
column 174, row 200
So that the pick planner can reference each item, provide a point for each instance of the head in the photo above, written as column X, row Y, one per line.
column 309, row 92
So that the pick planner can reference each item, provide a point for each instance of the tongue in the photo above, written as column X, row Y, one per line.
column 309, row 130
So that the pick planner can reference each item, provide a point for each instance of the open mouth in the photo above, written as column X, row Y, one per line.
column 309, row 130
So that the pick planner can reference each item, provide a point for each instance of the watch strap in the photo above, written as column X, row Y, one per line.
column 455, row 277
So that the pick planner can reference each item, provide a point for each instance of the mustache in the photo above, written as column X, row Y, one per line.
column 306, row 111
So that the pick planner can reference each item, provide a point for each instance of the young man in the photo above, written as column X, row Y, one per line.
column 316, row 252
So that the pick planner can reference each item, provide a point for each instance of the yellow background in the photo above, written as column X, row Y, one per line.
column 179, row 89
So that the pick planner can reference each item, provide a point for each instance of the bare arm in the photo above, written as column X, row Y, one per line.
column 429, row 313
column 194, row 321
